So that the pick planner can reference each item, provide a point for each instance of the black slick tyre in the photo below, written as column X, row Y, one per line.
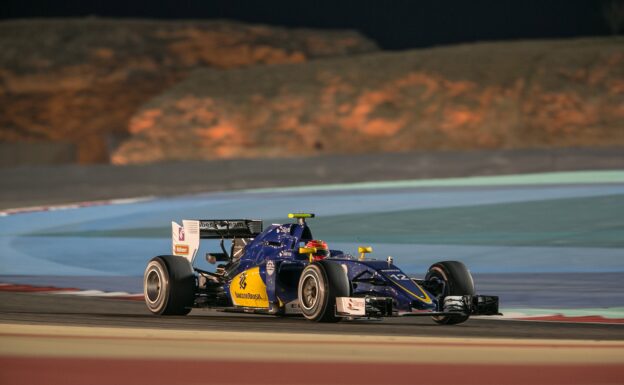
column 169, row 285
column 457, row 281
column 319, row 285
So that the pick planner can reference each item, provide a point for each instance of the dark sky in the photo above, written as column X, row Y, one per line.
column 397, row 24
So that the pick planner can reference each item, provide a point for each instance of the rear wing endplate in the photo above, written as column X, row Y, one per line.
column 185, row 238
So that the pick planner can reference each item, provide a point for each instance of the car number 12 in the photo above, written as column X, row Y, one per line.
column 399, row 277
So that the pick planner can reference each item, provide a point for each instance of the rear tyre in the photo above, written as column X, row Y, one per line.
column 319, row 285
column 169, row 285
column 457, row 281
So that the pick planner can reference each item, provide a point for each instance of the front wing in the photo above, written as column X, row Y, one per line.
column 382, row 306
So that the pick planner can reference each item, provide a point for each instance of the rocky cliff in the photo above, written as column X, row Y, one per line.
column 488, row 95
column 80, row 81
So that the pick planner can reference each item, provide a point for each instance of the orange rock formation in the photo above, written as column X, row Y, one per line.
column 81, row 81
column 488, row 95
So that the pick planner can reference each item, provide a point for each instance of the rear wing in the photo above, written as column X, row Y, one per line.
column 229, row 228
column 185, row 238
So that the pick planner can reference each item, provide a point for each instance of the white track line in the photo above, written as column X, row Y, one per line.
column 72, row 206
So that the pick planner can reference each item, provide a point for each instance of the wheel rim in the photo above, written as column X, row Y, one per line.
column 309, row 292
column 153, row 286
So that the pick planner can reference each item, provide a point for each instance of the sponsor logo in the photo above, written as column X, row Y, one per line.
column 252, row 296
column 222, row 225
column 292, row 307
column 352, row 305
column 248, row 289
column 181, row 234
column 242, row 281
column 181, row 249
column 270, row 268
column 390, row 270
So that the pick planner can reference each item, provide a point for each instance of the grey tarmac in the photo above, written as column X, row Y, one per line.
column 71, row 310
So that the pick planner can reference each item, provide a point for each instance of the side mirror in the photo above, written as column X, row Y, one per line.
column 363, row 250
column 307, row 250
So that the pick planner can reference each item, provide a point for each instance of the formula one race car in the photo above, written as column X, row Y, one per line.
column 283, row 270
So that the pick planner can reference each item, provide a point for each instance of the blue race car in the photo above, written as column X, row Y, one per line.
column 284, row 270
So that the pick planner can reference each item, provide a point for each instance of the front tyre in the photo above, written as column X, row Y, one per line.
column 319, row 285
column 169, row 285
column 456, row 280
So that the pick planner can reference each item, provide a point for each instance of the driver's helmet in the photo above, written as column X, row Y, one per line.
column 321, row 249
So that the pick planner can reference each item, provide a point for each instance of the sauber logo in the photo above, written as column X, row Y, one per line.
column 242, row 281
column 181, row 249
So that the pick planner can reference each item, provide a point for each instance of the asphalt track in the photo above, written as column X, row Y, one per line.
column 539, row 241
column 72, row 311
column 62, row 339
column 101, row 355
